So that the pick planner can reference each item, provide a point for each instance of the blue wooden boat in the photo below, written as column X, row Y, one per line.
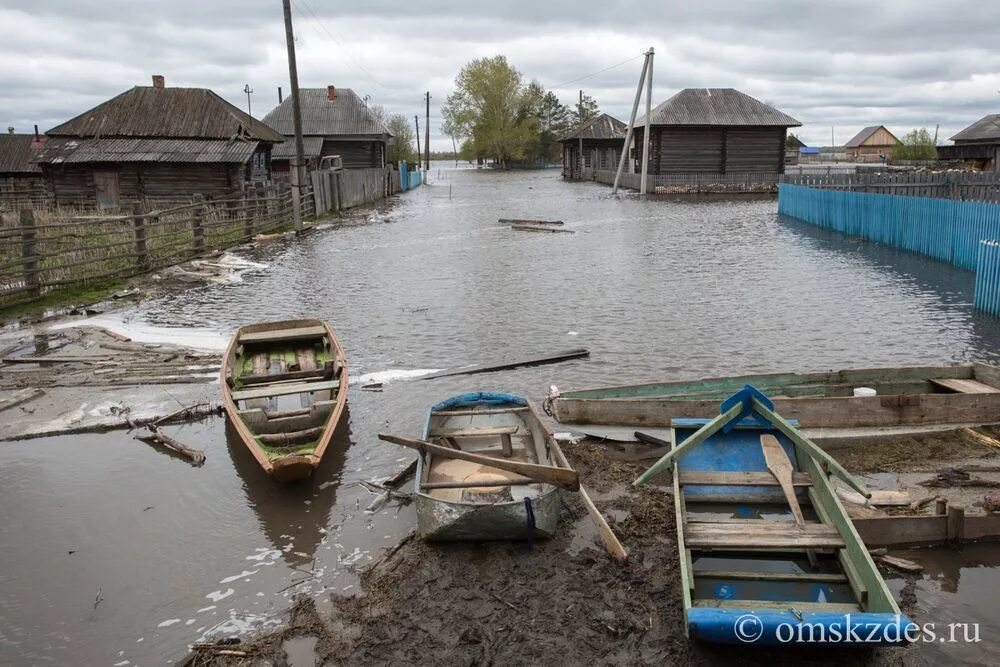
column 767, row 553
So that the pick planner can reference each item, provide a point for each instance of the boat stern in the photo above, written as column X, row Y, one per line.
column 293, row 468
column 769, row 627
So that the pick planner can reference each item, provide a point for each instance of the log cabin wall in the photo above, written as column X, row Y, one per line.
column 713, row 150
column 356, row 154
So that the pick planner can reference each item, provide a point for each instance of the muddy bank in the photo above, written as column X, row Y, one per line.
column 563, row 602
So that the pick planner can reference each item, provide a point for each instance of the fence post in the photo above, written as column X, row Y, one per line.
column 139, row 226
column 198, row 225
column 29, row 249
column 338, row 187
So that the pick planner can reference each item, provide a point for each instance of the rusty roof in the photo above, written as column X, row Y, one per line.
column 176, row 113
column 70, row 150
column 986, row 128
column 312, row 147
column 346, row 115
column 17, row 153
column 863, row 136
column 717, row 106
column 602, row 126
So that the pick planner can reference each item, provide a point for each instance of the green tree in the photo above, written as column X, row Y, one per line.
column 792, row 142
column 402, row 148
column 917, row 145
column 585, row 110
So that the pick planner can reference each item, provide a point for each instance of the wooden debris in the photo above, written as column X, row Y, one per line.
column 901, row 564
column 375, row 386
column 391, row 485
column 157, row 436
column 20, row 397
column 918, row 505
column 55, row 360
column 117, row 336
column 980, row 437
column 292, row 438
column 541, row 228
column 506, row 365
column 953, row 477
column 520, row 221
column 879, row 498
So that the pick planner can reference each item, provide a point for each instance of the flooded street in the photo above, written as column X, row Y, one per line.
column 114, row 552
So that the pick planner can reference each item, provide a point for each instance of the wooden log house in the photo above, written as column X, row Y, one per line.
column 335, row 122
column 871, row 144
column 713, row 131
column 20, row 176
column 155, row 144
column 602, row 139
column 977, row 145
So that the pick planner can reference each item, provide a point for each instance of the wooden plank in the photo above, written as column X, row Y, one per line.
column 506, row 365
column 818, row 577
column 469, row 413
column 776, row 536
column 516, row 481
column 962, row 386
column 20, row 397
column 284, row 390
column 779, row 605
column 702, row 434
column 474, row 432
column 540, row 228
column 266, row 378
column 516, row 221
column 690, row 478
column 302, row 333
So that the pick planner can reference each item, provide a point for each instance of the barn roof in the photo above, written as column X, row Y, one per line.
column 602, row 126
column 175, row 113
column 17, row 153
column 863, row 136
column 347, row 114
column 70, row 150
column 717, row 106
column 986, row 128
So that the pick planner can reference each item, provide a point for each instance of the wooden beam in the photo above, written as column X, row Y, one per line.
column 506, row 365
column 700, row 436
column 738, row 479
column 733, row 536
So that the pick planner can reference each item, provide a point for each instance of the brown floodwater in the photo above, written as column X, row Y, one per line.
column 112, row 552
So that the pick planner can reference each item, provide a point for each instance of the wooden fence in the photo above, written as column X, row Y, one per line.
column 974, row 186
column 339, row 189
column 945, row 229
column 41, row 251
column 689, row 183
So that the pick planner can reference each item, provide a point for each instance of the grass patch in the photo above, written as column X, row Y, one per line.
column 65, row 297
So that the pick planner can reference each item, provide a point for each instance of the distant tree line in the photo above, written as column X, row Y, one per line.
column 494, row 114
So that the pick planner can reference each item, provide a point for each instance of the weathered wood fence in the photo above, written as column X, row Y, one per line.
column 689, row 183
column 975, row 186
column 339, row 189
column 41, row 251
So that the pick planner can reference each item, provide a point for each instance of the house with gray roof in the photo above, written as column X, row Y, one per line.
column 978, row 145
column 600, row 141
column 335, row 122
column 713, row 131
column 20, row 176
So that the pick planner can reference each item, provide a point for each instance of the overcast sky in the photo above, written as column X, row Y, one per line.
column 836, row 63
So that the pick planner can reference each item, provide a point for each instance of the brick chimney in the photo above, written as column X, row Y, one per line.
column 331, row 93
column 159, row 82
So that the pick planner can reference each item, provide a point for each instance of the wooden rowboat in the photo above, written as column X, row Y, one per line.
column 909, row 396
column 463, row 500
column 284, row 387
column 767, row 553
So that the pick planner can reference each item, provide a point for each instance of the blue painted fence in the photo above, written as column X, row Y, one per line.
column 416, row 178
column 988, row 277
column 944, row 229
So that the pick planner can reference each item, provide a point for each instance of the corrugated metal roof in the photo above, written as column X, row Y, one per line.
column 717, row 106
column 17, row 153
column 985, row 129
column 68, row 150
column 862, row 136
column 147, row 112
column 346, row 115
column 312, row 146
column 602, row 126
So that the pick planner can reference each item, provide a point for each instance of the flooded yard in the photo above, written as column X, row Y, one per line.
column 115, row 553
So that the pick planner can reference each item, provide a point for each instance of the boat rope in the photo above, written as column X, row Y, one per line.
column 530, row 512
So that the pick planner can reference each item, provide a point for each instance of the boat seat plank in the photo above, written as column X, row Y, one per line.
column 739, row 479
column 474, row 432
column 284, row 390
column 303, row 333
column 778, row 605
column 963, row 386
column 489, row 411
column 271, row 378
column 735, row 536
column 818, row 577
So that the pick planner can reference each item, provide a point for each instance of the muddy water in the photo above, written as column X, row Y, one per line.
column 113, row 552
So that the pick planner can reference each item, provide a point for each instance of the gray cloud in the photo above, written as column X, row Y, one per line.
column 842, row 63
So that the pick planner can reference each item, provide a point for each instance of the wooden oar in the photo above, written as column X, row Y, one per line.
column 608, row 536
column 565, row 478
column 781, row 467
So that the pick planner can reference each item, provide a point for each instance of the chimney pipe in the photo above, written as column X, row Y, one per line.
column 331, row 93
column 279, row 94
column 10, row 129
column 36, row 132
column 159, row 82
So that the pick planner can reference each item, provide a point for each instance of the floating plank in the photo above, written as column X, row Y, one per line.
column 303, row 333
column 739, row 479
column 284, row 390
column 733, row 536
column 963, row 386
column 506, row 365
column 520, row 221
column 539, row 228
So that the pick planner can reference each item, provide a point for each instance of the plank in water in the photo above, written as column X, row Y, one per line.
column 505, row 365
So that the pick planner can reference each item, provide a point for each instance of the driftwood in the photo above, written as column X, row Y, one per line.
column 19, row 397
column 953, row 477
column 157, row 436
column 506, row 365
column 292, row 438
column 901, row 564
column 389, row 486
column 523, row 221
column 540, row 228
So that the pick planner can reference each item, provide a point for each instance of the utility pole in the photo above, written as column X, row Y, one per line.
column 298, row 169
column 416, row 121
column 631, row 126
column 427, row 135
column 248, row 90
column 649, row 127
column 579, row 117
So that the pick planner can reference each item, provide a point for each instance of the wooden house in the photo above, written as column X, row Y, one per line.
column 601, row 140
column 714, row 131
column 871, row 144
column 977, row 145
column 335, row 122
column 155, row 144
column 20, row 176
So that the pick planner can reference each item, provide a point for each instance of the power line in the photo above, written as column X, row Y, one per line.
column 329, row 34
column 602, row 71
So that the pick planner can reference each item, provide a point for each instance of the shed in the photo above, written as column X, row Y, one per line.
column 871, row 144
column 20, row 176
column 978, row 145
column 155, row 144
column 714, row 131
column 601, row 138
column 335, row 121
